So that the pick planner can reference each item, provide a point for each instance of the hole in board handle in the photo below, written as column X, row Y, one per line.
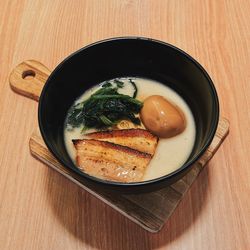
column 28, row 74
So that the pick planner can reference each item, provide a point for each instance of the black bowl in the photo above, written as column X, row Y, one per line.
column 121, row 57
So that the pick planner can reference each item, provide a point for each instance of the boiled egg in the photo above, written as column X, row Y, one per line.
column 161, row 117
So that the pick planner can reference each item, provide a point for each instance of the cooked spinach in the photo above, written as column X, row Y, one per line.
column 107, row 84
column 106, row 107
column 119, row 83
column 135, row 88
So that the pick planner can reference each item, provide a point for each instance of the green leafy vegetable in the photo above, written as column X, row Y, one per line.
column 106, row 107
column 107, row 84
column 135, row 88
column 119, row 84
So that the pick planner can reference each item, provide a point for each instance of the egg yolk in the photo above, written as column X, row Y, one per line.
column 161, row 117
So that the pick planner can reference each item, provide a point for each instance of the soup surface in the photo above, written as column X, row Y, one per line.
column 171, row 153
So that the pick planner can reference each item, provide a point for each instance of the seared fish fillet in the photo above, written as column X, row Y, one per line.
column 110, row 161
column 139, row 139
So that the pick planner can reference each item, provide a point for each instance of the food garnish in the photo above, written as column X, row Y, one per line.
column 106, row 107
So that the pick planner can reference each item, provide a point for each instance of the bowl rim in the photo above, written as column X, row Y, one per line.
column 171, row 175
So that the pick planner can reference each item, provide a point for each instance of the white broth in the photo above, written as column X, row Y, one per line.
column 171, row 153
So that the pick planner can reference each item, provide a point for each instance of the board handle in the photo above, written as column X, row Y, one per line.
column 28, row 78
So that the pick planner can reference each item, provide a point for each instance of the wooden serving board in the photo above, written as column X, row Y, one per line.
column 149, row 210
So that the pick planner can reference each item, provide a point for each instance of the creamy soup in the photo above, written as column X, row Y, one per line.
column 171, row 153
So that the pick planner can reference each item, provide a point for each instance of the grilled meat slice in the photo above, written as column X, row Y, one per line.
column 139, row 139
column 110, row 161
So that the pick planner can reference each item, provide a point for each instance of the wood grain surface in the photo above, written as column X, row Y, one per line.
column 28, row 78
column 40, row 209
column 149, row 210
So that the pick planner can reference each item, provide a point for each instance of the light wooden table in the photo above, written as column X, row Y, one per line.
column 40, row 209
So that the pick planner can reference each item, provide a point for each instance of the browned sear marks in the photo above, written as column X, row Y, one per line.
column 118, row 155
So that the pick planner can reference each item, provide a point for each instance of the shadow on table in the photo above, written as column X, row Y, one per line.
column 96, row 224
